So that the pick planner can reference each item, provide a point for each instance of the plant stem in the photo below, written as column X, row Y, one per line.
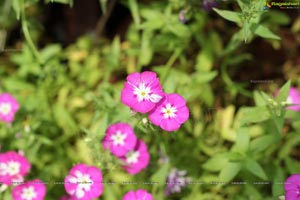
column 27, row 34
column 170, row 63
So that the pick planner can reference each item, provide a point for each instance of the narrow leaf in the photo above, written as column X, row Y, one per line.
column 284, row 92
column 254, row 114
column 229, row 171
column 242, row 140
column 229, row 15
column 263, row 31
column 253, row 167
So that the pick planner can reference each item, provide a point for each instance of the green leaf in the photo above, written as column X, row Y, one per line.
column 205, row 77
column 292, row 165
column 278, row 176
column 278, row 17
column 263, row 31
column 16, row 7
column 161, row 174
column 262, row 143
column 216, row 163
column 133, row 5
column 205, row 59
column 229, row 171
column 103, row 4
column 254, row 114
column 284, row 92
column 50, row 51
column 253, row 167
column 61, row 1
column 242, row 140
column 229, row 15
column 146, row 49
column 259, row 99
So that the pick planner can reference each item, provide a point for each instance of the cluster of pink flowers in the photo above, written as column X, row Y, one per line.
column 122, row 142
column 8, row 107
column 143, row 93
column 13, row 169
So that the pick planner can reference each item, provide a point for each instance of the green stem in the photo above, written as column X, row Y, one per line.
column 27, row 34
column 170, row 63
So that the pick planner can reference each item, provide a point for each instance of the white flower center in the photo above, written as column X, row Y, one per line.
column 83, row 182
column 132, row 157
column 5, row 108
column 169, row 111
column 28, row 193
column 143, row 93
column 13, row 168
column 118, row 138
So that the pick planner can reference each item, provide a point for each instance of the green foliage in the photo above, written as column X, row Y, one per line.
column 69, row 95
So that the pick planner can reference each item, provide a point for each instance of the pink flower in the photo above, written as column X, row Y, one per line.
column 84, row 182
column 142, row 91
column 8, row 107
column 119, row 139
column 293, row 98
column 137, row 195
column 170, row 113
column 292, row 187
column 32, row 190
column 13, row 167
column 136, row 159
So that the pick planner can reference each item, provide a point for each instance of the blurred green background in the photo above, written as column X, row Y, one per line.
column 66, row 62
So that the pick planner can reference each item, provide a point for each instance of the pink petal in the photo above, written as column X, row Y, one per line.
column 127, row 96
column 156, row 116
column 129, row 196
column 176, row 100
column 143, row 106
column 182, row 115
column 134, row 78
column 169, row 124
column 148, row 77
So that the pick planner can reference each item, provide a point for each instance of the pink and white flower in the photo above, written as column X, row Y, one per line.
column 136, row 159
column 170, row 113
column 13, row 167
column 142, row 91
column 8, row 107
column 84, row 182
column 137, row 195
column 31, row 190
column 119, row 139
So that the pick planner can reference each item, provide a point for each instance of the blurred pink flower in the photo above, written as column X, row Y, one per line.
column 84, row 182
column 32, row 190
column 119, row 139
column 292, row 187
column 13, row 167
column 142, row 91
column 293, row 98
column 136, row 159
column 170, row 113
column 137, row 195
column 8, row 107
